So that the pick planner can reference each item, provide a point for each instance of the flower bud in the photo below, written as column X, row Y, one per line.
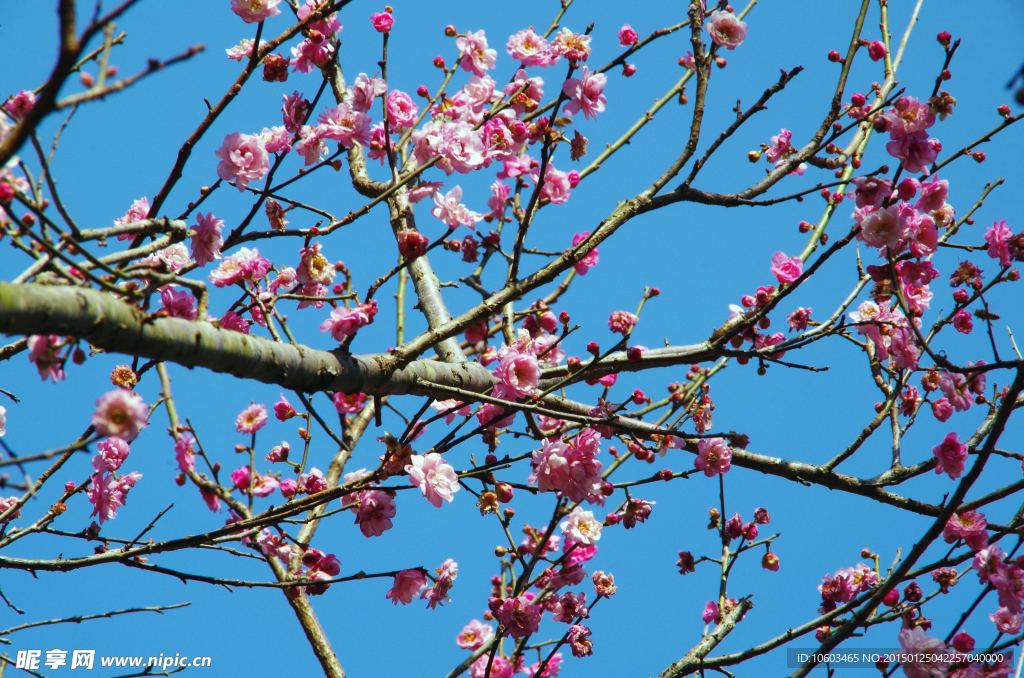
column 944, row 37
column 491, row 459
column 504, row 491
column 628, row 70
column 593, row 348
column 69, row 486
column 612, row 519
column 510, row 513
column 1004, row 111
column 423, row 91
column 450, row 31
column 500, row 551
column 834, row 57
column 876, row 50
column 754, row 156
column 563, row 318
column 858, row 100
column 439, row 61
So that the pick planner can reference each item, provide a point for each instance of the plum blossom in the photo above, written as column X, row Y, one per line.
column 364, row 90
column 107, row 493
column 374, row 513
column 519, row 371
column 476, row 57
column 294, row 111
column 798, row 319
column 529, row 49
column 786, row 269
column 311, row 144
column 401, row 110
column 234, row 322
column 916, row 642
column 585, row 93
column 382, row 21
column 500, row 667
column 242, row 50
column 312, row 52
column 915, row 152
column 950, row 455
column 622, row 322
column 345, row 322
column 579, row 641
column 969, row 526
column 407, row 584
column 627, row 36
column 450, row 210
column 314, row 266
column 207, row 241
column 882, row 228
column 255, row 11
column 274, row 545
column 243, row 158
column 572, row 46
column 120, row 413
column 251, row 419
column 20, row 104
column 580, row 527
column 589, row 261
column 3, row 423
column 435, row 477
column 713, row 456
column 474, row 635
column 137, row 212
column 1006, row 621
column 998, row 237
column 868, row 191
column 519, row 617
column 572, row 469
column 438, row 593
column 328, row 25
column 111, row 453
column 962, row 321
column 345, row 125
column 43, row 350
column 726, row 29
column 524, row 92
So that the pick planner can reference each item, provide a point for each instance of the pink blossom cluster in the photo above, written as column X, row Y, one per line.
column 245, row 265
column 108, row 492
column 844, row 585
column 519, row 616
column 518, row 369
column 322, row 567
column 345, row 322
column 374, row 508
column 1007, row 578
column 571, row 468
column 44, row 351
column 907, row 123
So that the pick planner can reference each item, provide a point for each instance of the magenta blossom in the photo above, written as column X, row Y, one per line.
column 255, row 11
column 998, row 237
column 585, row 93
column 251, row 419
column 713, row 456
column 970, row 526
column 519, row 617
column 401, row 110
column 474, row 635
column 111, row 453
column 21, row 103
column 435, row 477
column 407, row 584
column 43, row 350
column 786, row 269
column 622, row 322
column 518, row 371
column 207, row 241
column 382, row 21
column 951, row 455
column 243, row 158
column 446, row 574
column 107, row 493
column 375, row 511
column 627, row 36
column 726, row 29
column 344, row 322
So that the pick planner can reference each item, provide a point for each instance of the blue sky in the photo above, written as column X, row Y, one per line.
column 702, row 258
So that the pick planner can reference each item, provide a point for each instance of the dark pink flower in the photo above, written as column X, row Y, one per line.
column 876, row 50
column 585, row 93
column 579, row 641
column 43, row 351
column 951, row 455
column 622, row 322
column 518, row 616
column 942, row 409
column 713, row 456
column 998, row 237
column 107, row 493
column 786, row 269
column 283, row 409
column 962, row 321
column 401, row 110
column 345, row 322
column 21, row 103
column 627, row 36
column 969, row 526
column 374, row 513
column 243, row 158
column 382, row 21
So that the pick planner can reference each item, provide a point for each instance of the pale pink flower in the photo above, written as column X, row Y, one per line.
column 401, row 110
column 519, row 617
column 627, row 36
column 476, row 57
column 786, row 269
column 20, row 104
column 137, row 212
column 344, row 322
column 553, row 668
column 265, row 485
column 314, row 266
column 251, row 419
column 726, row 29
column 207, row 241
column 375, row 511
column 345, row 125
column 438, row 593
column 519, row 372
column 933, row 194
column 572, row 46
column 6, row 505
column 107, row 494
column 572, row 469
column 579, row 641
column 424, row 190
column 529, row 49
column 474, row 635
column 311, row 145
column 713, row 456
column 312, row 52
column 279, row 453
column 998, row 237
column 916, row 642
column 780, row 146
column 589, row 261
column 951, row 455
column 1006, row 621
column 243, row 158
column 490, row 414
column 557, row 185
column 585, row 93
column 276, row 139
column 524, row 100
column 452, row 408
column 285, row 281
column 580, row 527
column 120, row 413
column 183, row 452
column 382, row 21
column 328, row 25
column 294, row 111
column 111, row 453
column 622, row 322
column 882, row 228
column 687, row 61
column 957, row 390
column 274, row 545
column 242, row 50
column 234, row 322
column 255, row 11
column 461, row 148
column 407, row 584
column 450, row 210
column 435, row 477
column 363, row 91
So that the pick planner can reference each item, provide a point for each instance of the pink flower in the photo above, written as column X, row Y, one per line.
column 882, row 228
column 969, row 526
column 798, row 319
column 530, row 49
column 519, row 372
column 407, row 584
column 786, row 269
column 438, row 593
column 524, row 100
column 344, row 322
column 251, row 419
column 137, row 212
column 585, row 93
column 962, row 321
column 345, row 125
column 637, row 510
column 255, row 11
column 283, row 409
column 491, row 415
column 557, row 186
column 207, row 241
column 121, row 414
column 294, row 111
column 327, row 26
column 382, row 21
column 572, row 46
column 868, row 191
column 474, row 635
column 876, row 50
column 571, row 469
column 710, row 613
column 500, row 667
column 627, row 36
column 1006, row 621
column 450, row 210
column 111, row 454
column 519, row 617
column 780, row 146
column 436, row 478
column 942, row 409
column 279, row 453
column 274, row 545
column 349, row 403
column 314, row 267
column 957, row 390
column 580, row 527
column 916, row 642
column 951, row 455
column 998, row 237
column 915, row 152
column 241, row 478
column 476, row 57
column 107, row 494
column 43, row 351
column 579, row 641
column 713, row 456
column 401, row 110
column 726, row 30
column 313, row 481
column 211, row 499
column 312, row 52
column 364, row 90
column 687, row 61
column 234, row 322
column 933, row 194
column 21, row 103
column 243, row 158
column 622, row 322
column 375, row 511
column 276, row 139
column 3, row 425
column 6, row 505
